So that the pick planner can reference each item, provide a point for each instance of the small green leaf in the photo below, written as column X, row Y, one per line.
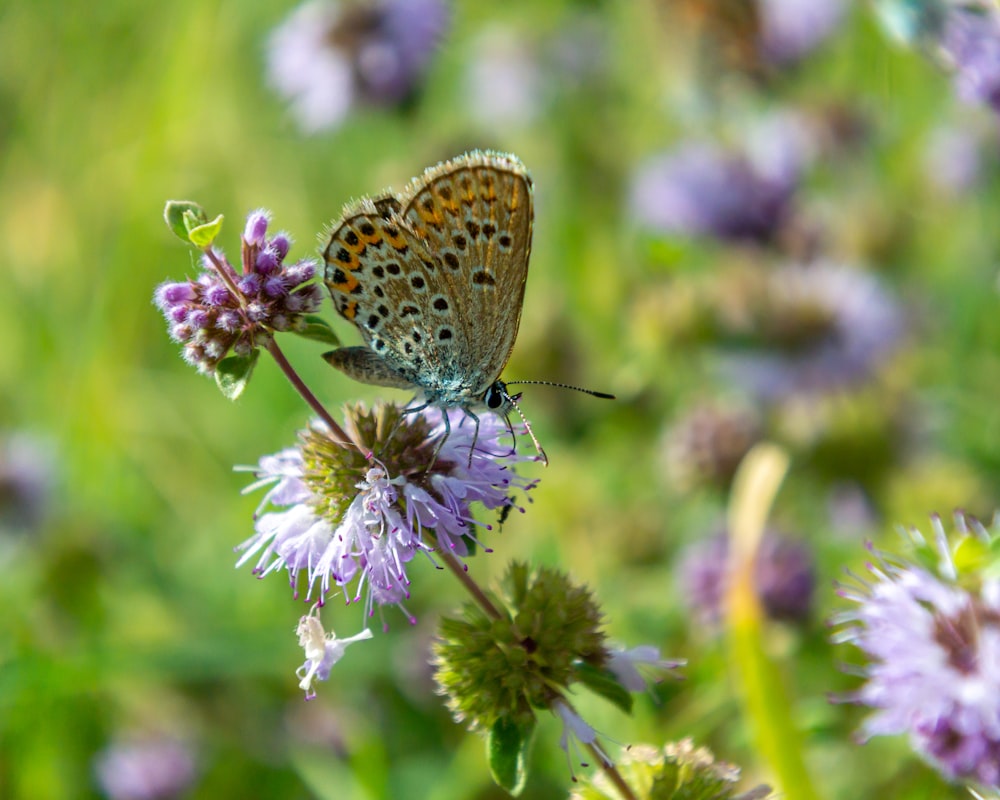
column 233, row 374
column 507, row 751
column 317, row 329
column 203, row 235
column 176, row 212
column 604, row 683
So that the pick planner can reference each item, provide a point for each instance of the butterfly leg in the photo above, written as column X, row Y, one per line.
column 407, row 409
column 475, row 434
column 441, row 440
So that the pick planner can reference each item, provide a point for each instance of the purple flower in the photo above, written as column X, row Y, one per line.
column 327, row 57
column 504, row 83
column 971, row 42
column 790, row 29
column 700, row 188
column 323, row 650
column 704, row 446
column 625, row 664
column 932, row 637
column 784, row 576
column 347, row 520
column 224, row 311
column 27, row 467
column 815, row 327
column 955, row 158
column 576, row 731
column 146, row 769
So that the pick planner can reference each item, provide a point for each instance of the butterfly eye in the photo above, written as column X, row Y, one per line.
column 494, row 397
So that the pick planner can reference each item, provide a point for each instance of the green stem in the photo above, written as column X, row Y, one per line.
column 459, row 571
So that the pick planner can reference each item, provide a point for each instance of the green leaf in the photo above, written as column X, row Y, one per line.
column 202, row 235
column 175, row 214
column 507, row 751
column 317, row 329
column 233, row 374
column 603, row 682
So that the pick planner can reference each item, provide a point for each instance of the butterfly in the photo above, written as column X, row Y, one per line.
column 434, row 279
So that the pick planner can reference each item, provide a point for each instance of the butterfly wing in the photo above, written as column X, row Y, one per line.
column 475, row 213
column 371, row 260
column 434, row 279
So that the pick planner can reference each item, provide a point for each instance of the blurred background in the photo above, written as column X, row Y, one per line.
column 759, row 221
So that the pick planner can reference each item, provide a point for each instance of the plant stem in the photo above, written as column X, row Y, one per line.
column 458, row 570
column 308, row 396
column 225, row 272
column 612, row 772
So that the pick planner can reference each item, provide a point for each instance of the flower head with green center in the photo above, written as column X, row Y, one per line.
column 510, row 666
column 344, row 515
column 931, row 630
column 679, row 771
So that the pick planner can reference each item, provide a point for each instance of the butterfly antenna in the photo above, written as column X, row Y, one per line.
column 591, row 392
column 512, row 399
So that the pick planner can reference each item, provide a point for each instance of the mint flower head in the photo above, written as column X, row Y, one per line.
column 930, row 629
column 678, row 771
column 357, row 515
column 224, row 310
column 328, row 58
column 970, row 41
column 784, row 578
column 147, row 768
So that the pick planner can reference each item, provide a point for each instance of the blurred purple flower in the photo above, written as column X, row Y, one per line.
column 328, row 57
column 513, row 78
column 700, row 189
column 784, row 576
column 819, row 326
column 704, row 446
column 971, row 42
column 504, row 83
column 703, row 189
column 147, row 769
column 953, row 158
column 933, row 641
column 26, row 481
column 791, row 29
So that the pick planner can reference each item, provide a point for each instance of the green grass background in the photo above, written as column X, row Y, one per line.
column 124, row 614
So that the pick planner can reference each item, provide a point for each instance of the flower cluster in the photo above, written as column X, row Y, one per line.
column 704, row 446
column 506, row 667
column 738, row 193
column 932, row 636
column 224, row 311
column 791, row 29
column 363, row 511
column 147, row 768
column 804, row 329
column 970, row 40
column 27, row 477
column 678, row 771
column 784, row 577
column 703, row 190
column 522, row 650
column 327, row 57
